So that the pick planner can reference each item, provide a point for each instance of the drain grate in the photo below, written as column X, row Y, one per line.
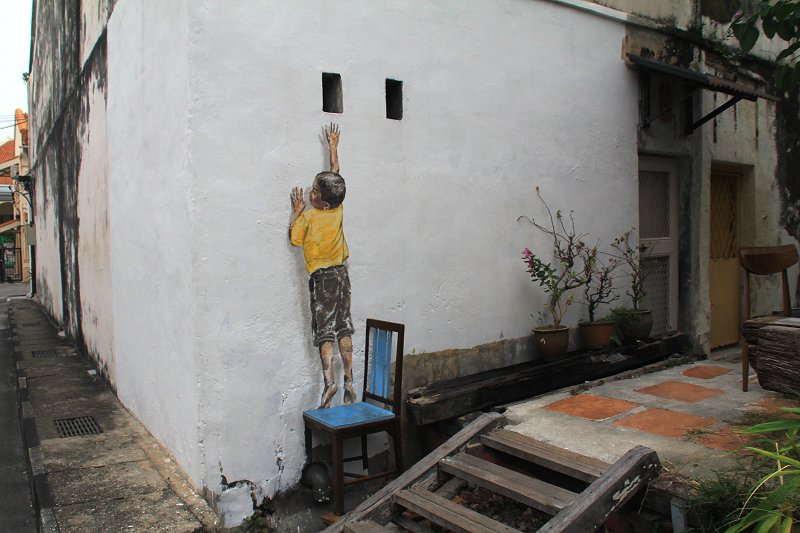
column 76, row 427
column 40, row 354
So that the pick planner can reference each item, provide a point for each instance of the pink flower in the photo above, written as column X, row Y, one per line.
column 526, row 252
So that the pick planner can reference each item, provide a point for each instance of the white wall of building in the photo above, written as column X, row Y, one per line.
column 150, row 217
column 94, row 244
column 499, row 98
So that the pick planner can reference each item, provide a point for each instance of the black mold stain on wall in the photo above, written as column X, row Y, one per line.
column 724, row 10
column 62, row 115
column 787, row 139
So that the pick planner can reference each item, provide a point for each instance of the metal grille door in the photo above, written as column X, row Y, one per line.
column 656, row 287
column 658, row 240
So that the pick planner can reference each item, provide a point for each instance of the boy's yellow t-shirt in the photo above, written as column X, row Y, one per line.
column 321, row 234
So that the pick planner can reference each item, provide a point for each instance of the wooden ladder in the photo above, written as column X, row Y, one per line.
column 579, row 492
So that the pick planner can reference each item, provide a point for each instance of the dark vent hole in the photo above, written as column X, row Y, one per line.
column 332, row 93
column 394, row 99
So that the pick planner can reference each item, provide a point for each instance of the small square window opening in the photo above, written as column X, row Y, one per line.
column 332, row 93
column 394, row 99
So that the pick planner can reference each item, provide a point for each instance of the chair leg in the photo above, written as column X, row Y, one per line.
column 338, row 475
column 309, row 442
column 398, row 448
column 364, row 454
column 745, row 365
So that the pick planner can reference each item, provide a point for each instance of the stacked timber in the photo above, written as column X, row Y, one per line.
column 447, row 399
column 774, row 344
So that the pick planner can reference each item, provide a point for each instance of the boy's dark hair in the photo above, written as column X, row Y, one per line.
column 331, row 188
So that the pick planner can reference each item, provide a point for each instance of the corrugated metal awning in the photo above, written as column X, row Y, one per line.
column 703, row 81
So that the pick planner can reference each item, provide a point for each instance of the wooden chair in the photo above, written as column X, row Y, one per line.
column 360, row 419
column 761, row 261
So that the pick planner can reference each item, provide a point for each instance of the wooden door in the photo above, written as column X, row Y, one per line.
column 723, row 266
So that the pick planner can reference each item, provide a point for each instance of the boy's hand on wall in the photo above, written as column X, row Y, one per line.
column 332, row 134
column 298, row 202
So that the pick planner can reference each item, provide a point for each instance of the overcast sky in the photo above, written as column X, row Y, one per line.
column 15, row 29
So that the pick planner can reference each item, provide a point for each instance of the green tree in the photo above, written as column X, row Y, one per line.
column 779, row 18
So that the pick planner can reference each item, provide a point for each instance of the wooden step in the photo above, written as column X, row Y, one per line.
column 540, row 453
column 519, row 487
column 411, row 525
column 365, row 527
column 448, row 514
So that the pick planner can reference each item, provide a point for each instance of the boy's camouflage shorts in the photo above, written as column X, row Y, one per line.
column 330, row 304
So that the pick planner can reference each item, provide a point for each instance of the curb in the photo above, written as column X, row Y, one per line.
column 40, row 490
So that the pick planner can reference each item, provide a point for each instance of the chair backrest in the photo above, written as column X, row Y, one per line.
column 382, row 337
column 764, row 260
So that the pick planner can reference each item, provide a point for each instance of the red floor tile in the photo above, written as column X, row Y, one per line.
column 726, row 439
column 665, row 423
column 705, row 371
column 591, row 406
column 773, row 405
column 685, row 392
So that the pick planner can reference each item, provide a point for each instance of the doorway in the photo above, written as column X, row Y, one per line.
column 723, row 266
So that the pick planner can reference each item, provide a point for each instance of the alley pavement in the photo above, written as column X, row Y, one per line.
column 95, row 467
column 16, row 505
column 689, row 414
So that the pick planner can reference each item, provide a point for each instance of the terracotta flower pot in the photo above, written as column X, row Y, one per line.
column 638, row 329
column 596, row 335
column 551, row 342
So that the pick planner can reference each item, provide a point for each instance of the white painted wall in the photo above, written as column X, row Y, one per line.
column 94, row 243
column 150, row 212
column 499, row 98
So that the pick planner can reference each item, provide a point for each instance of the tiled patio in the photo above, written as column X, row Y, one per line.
column 689, row 414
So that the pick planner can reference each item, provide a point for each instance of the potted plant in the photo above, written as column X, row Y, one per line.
column 599, row 290
column 557, row 276
column 637, row 324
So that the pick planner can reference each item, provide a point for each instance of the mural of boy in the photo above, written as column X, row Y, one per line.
column 320, row 232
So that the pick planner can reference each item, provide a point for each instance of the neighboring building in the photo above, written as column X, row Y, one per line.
column 150, row 121
column 14, row 207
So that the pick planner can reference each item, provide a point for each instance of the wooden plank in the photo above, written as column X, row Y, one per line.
column 411, row 525
column 378, row 503
column 543, row 454
column 448, row 399
column 519, row 487
column 364, row 527
column 448, row 514
column 591, row 510
column 775, row 356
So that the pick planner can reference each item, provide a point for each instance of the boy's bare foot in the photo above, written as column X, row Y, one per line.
column 349, row 393
column 327, row 396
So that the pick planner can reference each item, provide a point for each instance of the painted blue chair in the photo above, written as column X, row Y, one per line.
column 363, row 418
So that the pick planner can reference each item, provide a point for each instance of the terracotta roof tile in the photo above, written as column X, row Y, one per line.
column 7, row 151
column 6, row 180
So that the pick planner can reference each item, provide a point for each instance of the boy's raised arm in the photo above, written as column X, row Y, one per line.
column 332, row 134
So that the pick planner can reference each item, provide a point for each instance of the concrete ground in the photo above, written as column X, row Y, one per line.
column 95, row 467
column 16, row 505
column 688, row 414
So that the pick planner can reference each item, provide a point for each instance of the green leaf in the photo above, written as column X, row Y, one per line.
column 770, row 26
column 749, row 38
column 768, row 524
column 777, row 425
column 788, row 51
